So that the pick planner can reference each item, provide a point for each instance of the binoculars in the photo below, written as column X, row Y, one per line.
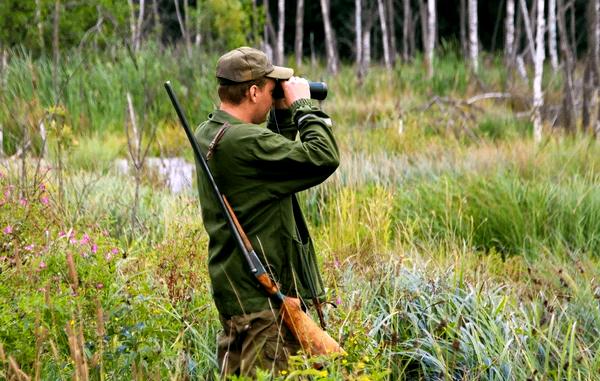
column 318, row 90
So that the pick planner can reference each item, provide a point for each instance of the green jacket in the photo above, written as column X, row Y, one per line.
column 259, row 170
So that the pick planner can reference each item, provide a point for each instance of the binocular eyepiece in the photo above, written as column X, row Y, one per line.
column 318, row 90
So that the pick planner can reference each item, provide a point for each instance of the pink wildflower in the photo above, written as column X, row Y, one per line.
column 8, row 229
column 42, row 265
column 23, row 202
column 62, row 234
column 338, row 300
column 94, row 248
column 29, row 247
column 44, row 200
column 42, row 187
column 114, row 250
column 99, row 286
column 85, row 239
column 108, row 256
column 336, row 263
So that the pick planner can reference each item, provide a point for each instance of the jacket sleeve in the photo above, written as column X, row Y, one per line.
column 285, row 166
column 281, row 122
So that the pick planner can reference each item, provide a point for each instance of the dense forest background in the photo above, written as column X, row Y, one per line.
column 216, row 24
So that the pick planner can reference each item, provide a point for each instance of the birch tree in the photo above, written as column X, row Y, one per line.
column 462, row 13
column 590, row 79
column 568, row 107
column 280, row 30
column 431, row 26
column 538, row 99
column 391, row 14
column 509, row 28
column 528, row 31
column 183, row 27
column 552, row 34
column 384, row 34
column 473, row 39
column 330, row 44
column 135, row 23
column 358, row 32
column 299, row 31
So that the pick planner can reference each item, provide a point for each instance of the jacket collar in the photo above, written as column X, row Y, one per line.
column 220, row 116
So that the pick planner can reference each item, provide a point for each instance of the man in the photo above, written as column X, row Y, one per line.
column 259, row 170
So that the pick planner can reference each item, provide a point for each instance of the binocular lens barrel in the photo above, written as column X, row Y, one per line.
column 318, row 90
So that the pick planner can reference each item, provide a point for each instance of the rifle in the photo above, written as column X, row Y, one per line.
column 312, row 338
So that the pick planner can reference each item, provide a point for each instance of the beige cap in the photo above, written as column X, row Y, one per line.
column 246, row 64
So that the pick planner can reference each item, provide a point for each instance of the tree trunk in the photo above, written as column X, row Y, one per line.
column 590, row 80
column 391, row 13
column 198, row 24
column 384, row 34
column 538, row 99
column 366, row 45
column 431, row 27
column 552, row 34
column 568, row 109
column 528, row 30
column 183, row 26
column 280, row 30
column 269, row 36
column 330, row 44
column 509, row 28
column 299, row 31
column 358, row 32
column 423, row 18
column 473, row 36
column 464, row 43
column 406, row 29
column 39, row 25
column 140, row 22
column 588, row 89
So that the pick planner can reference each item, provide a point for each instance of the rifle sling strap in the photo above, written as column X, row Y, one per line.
column 215, row 141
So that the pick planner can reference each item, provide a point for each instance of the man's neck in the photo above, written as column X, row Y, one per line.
column 237, row 111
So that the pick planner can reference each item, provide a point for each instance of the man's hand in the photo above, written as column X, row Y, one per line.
column 293, row 89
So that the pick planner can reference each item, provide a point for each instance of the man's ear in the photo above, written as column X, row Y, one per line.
column 252, row 93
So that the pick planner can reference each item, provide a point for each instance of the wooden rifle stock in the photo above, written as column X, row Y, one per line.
column 311, row 337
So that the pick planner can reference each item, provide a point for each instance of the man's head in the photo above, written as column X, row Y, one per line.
column 247, row 79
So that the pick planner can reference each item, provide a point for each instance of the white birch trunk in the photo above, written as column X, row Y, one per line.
column 132, row 24
column 431, row 21
column 138, row 29
column 299, row 32
column 538, row 98
column 183, row 27
column 366, row 60
column 473, row 38
column 332, row 61
column 384, row 34
column 528, row 30
column 280, row 31
column 358, row 30
column 39, row 24
column 509, row 27
column 44, row 136
column 552, row 34
column 406, row 27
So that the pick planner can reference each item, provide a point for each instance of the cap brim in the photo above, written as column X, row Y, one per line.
column 280, row 72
